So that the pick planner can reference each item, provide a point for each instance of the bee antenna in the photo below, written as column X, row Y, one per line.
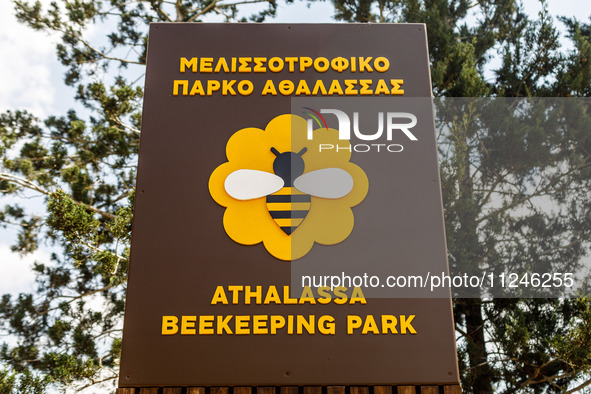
column 304, row 150
column 275, row 151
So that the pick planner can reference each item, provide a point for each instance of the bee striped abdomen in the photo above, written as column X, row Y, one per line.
column 288, row 208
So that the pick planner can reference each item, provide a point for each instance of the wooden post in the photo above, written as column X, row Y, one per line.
column 382, row 389
column 172, row 390
column 447, row 389
column 429, row 390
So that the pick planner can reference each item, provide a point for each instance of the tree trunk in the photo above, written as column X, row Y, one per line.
column 477, row 354
column 480, row 373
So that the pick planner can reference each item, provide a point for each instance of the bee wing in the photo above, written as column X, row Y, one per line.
column 325, row 183
column 251, row 184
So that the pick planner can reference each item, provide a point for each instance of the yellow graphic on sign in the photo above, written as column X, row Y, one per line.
column 280, row 189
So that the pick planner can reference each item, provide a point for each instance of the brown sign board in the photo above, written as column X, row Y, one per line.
column 215, row 292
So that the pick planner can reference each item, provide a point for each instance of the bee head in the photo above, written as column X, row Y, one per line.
column 288, row 165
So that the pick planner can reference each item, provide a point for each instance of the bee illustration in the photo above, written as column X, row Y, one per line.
column 288, row 191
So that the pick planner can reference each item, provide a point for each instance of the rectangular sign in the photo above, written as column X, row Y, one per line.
column 285, row 172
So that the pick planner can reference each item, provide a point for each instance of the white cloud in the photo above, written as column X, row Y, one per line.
column 16, row 274
column 25, row 65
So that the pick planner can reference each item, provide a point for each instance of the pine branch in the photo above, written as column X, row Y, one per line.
column 32, row 186
column 93, row 382
column 99, row 250
column 23, row 183
column 97, row 51
column 118, row 120
column 160, row 11
column 555, row 179
column 578, row 388
column 203, row 11
column 73, row 298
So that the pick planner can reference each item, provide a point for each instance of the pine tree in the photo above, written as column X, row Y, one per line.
column 508, row 345
column 83, row 164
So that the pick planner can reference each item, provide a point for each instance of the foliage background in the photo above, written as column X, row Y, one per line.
column 68, row 176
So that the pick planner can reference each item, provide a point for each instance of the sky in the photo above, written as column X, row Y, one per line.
column 31, row 78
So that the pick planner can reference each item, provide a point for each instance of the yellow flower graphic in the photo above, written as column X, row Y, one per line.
column 248, row 222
